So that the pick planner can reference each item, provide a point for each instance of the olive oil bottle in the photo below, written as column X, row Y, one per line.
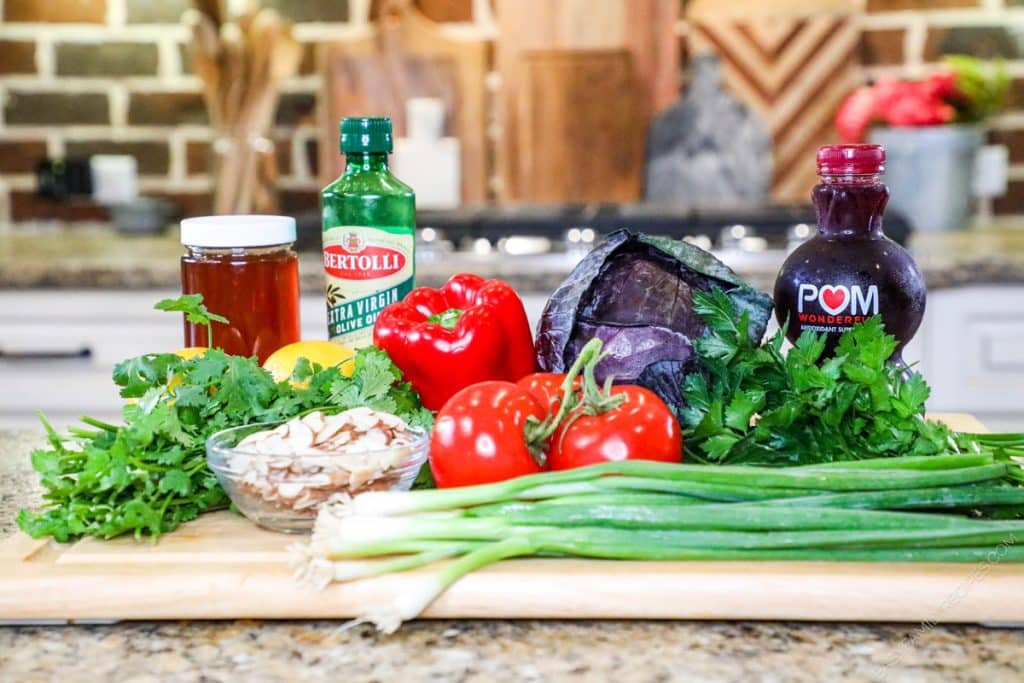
column 369, row 223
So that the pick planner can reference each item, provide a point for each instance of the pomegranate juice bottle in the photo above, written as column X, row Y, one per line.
column 850, row 271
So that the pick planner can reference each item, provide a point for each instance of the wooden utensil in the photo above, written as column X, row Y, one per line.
column 242, row 63
column 278, row 56
column 205, row 59
column 214, row 9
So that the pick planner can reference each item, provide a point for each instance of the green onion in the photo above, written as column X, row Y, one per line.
column 940, row 497
column 915, row 462
column 858, row 511
column 721, row 517
column 848, row 478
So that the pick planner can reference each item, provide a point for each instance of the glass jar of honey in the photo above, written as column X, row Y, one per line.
column 246, row 270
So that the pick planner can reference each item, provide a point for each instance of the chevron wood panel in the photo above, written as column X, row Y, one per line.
column 794, row 72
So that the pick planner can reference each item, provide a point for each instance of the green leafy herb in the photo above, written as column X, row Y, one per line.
column 984, row 86
column 149, row 475
column 195, row 312
column 753, row 405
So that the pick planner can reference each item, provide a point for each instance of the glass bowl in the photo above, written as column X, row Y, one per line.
column 284, row 492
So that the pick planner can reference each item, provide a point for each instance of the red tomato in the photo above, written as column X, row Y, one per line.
column 479, row 435
column 641, row 428
column 547, row 387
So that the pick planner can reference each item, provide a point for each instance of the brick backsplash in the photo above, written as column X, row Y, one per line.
column 898, row 5
column 197, row 157
column 28, row 206
column 993, row 41
column 21, row 156
column 80, row 77
column 57, row 11
column 30, row 108
column 154, row 11
column 883, row 46
column 153, row 158
column 167, row 108
column 107, row 59
column 1014, row 141
column 295, row 109
column 1015, row 97
column 1013, row 202
column 311, row 10
column 19, row 57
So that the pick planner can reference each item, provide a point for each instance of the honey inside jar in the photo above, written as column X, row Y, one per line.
column 246, row 270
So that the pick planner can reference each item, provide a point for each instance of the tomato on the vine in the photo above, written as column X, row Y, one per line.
column 494, row 431
column 480, row 435
column 547, row 387
column 641, row 427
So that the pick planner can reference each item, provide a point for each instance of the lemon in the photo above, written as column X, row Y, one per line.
column 187, row 353
column 281, row 363
column 190, row 352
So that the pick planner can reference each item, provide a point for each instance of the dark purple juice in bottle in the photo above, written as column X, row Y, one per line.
column 850, row 270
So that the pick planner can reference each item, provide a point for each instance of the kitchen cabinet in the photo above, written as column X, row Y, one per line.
column 57, row 348
column 971, row 349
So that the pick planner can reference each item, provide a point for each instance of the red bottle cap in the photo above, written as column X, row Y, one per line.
column 851, row 159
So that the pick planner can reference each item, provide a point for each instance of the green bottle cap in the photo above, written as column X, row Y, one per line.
column 365, row 134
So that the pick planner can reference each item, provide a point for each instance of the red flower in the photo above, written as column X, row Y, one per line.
column 914, row 104
column 899, row 103
column 942, row 85
column 856, row 113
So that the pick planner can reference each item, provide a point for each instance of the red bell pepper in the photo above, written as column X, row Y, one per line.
column 470, row 330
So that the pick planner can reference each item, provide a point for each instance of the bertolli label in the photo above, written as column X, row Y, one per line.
column 367, row 269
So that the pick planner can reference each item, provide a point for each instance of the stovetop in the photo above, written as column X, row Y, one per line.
column 561, row 225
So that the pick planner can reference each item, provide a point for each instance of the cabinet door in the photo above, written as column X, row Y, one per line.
column 58, row 348
column 972, row 350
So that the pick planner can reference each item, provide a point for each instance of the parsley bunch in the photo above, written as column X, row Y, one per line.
column 149, row 475
column 750, row 404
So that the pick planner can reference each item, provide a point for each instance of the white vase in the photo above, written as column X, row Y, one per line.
column 929, row 170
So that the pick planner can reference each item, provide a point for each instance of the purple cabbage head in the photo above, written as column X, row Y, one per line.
column 635, row 293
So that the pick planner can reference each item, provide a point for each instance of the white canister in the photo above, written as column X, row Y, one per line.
column 114, row 178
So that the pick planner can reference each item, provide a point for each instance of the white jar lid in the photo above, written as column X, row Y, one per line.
column 237, row 231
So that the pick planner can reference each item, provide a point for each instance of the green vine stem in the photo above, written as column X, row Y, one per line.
column 589, row 399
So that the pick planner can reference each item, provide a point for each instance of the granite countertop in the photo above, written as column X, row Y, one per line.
column 486, row 651
column 99, row 258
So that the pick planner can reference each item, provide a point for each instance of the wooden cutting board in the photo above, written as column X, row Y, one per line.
column 222, row 567
column 406, row 55
column 582, row 154
column 644, row 29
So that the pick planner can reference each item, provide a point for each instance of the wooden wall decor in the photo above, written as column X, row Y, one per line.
column 793, row 69
column 645, row 29
column 405, row 55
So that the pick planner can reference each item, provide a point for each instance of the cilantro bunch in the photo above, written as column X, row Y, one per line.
column 750, row 404
column 149, row 475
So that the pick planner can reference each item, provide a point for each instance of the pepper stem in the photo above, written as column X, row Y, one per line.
column 446, row 319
